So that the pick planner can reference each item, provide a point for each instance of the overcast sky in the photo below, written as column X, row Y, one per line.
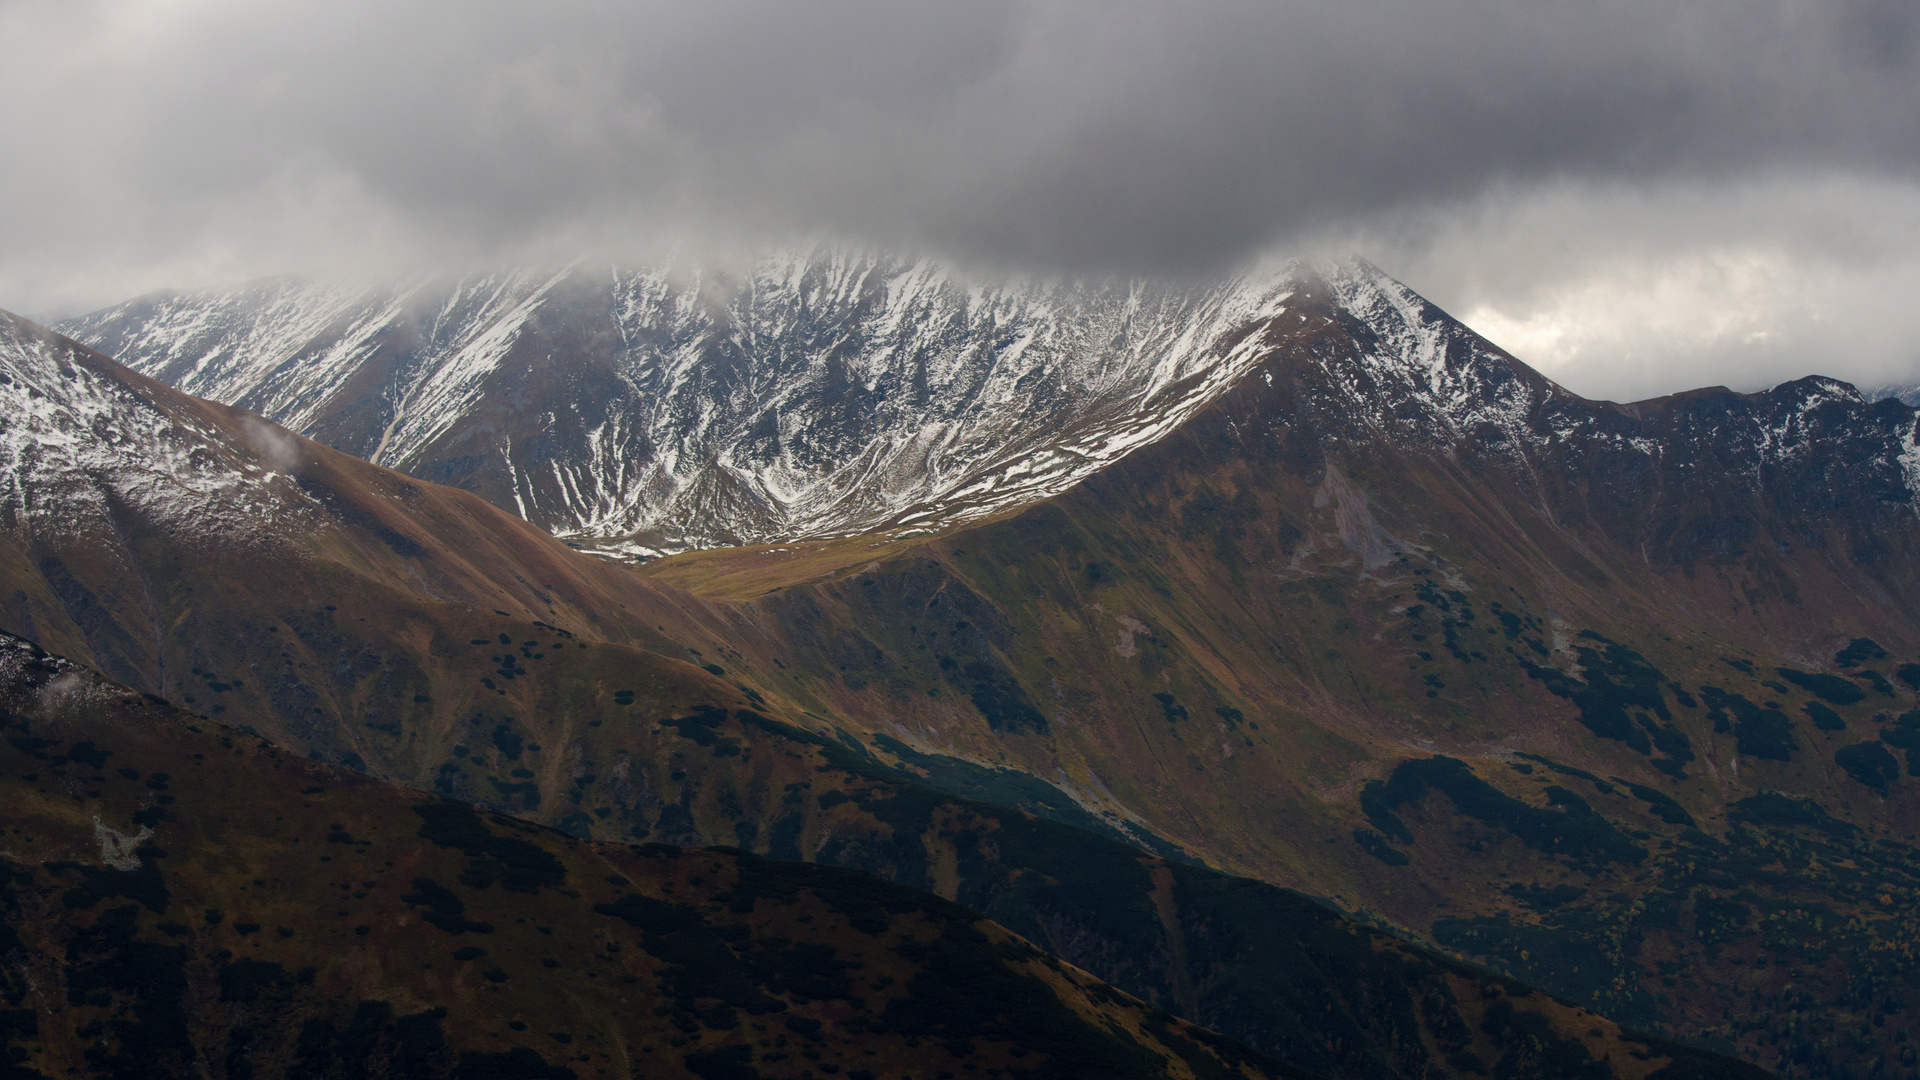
column 1634, row 196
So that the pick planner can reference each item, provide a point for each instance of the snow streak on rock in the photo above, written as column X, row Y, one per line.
column 1427, row 375
column 78, row 446
column 814, row 394
column 639, row 410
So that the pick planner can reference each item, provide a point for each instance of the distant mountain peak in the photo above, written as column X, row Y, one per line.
column 78, row 435
column 819, row 393
column 811, row 394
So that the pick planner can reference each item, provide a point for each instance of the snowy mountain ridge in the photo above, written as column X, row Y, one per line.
column 78, row 443
column 638, row 411
column 818, row 394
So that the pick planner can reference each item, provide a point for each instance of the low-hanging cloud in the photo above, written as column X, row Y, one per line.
column 1532, row 163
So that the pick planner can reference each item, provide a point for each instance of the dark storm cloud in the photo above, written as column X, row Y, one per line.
column 178, row 141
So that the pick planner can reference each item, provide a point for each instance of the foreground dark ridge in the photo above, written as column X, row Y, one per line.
column 183, row 899
column 158, row 887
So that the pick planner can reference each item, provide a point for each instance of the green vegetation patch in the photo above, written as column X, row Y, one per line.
column 1567, row 770
column 1717, row 920
column 519, row 1063
column 1584, row 956
column 1661, row 804
column 1377, row 846
column 1823, row 717
column 1905, row 734
column 413, row 1045
column 1757, row 732
column 700, row 963
column 866, row 901
column 516, row 864
column 1174, row 711
column 1828, row 687
column 1868, row 763
column 1002, row 787
column 1530, row 1046
column 966, row 992
column 1772, row 808
column 1545, row 897
column 1617, row 679
column 1879, row 681
column 145, row 982
column 1576, row 831
column 442, row 907
column 1859, row 651
column 144, row 885
column 703, row 727
column 1001, row 701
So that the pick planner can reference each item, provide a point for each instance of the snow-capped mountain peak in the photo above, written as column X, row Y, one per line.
column 636, row 411
column 649, row 409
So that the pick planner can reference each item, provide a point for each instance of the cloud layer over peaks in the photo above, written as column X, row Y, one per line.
column 1526, row 161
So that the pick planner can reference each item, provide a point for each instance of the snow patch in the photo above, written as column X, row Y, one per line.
column 117, row 849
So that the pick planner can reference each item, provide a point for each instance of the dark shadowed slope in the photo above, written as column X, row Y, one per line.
column 183, row 898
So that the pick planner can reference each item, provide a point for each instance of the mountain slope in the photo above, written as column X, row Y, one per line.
column 807, row 394
column 480, row 942
column 613, row 738
column 185, row 900
column 823, row 393
column 1390, row 619
column 1467, row 674
column 200, row 553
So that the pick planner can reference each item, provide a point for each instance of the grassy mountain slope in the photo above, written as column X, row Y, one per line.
column 216, row 821
column 182, row 899
column 197, row 552
column 1245, row 644
column 1606, row 730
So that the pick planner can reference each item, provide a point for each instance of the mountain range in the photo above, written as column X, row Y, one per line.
column 1292, row 578
column 640, row 411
